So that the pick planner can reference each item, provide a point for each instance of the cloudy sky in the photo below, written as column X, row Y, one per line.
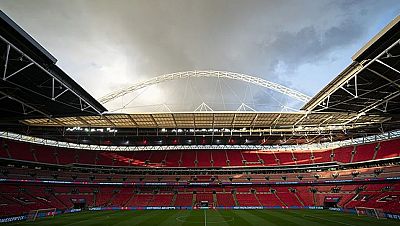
column 107, row 45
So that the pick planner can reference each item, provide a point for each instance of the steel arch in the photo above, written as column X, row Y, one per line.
column 207, row 73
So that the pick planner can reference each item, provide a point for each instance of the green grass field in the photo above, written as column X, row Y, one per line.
column 213, row 217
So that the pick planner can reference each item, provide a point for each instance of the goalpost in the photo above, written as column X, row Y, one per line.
column 372, row 212
column 40, row 213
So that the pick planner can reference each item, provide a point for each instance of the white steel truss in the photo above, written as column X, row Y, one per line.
column 56, row 82
column 211, row 74
column 316, row 146
column 325, row 102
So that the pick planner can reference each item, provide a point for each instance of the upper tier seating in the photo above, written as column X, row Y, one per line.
column 198, row 158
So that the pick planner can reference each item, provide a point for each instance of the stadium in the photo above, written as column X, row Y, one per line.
column 66, row 159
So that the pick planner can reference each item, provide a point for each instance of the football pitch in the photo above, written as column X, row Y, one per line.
column 213, row 217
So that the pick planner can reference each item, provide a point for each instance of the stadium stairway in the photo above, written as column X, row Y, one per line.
column 258, row 200
column 235, row 199
column 377, row 147
column 215, row 200
column 194, row 199
column 128, row 200
column 173, row 201
column 276, row 195
column 110, row 202
column 349, row 201
column 298, row 199
column 353, row 152
column 315, row 198
column 94, row 199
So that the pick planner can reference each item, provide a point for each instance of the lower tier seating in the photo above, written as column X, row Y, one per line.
column 19, row 198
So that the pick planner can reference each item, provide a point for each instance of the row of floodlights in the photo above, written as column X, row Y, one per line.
column 200, row 130
column 111, row 130
column 92, row 130
column 176, row 131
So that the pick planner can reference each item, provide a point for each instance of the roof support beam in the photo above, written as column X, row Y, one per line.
column 379, row 102
column 18, row 71
column 394, row 69
column 26, row 105
column 352, row 74
column 6, row 62
column 348, row 91
column 384, row 77
column 33, row 62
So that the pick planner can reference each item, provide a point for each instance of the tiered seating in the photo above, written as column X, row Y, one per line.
column 364, row 152
column 251, row 157
column 188, row 158
column 173, row 158
column 268, row 157
column 16, row 199
column 3, row 151
column 45, row 154
column 21, row 151
column 118, row 159
column 161, row 200
column 66, row 156
column 141, row 200
column 122, row 197
column 184, row 200
column 305, row 195
column 203, row 158
column 288, row 198
column 219, row 158
column 387, row 201
column 200, row 158
column 343, row 154
column 20, row 198
column 388, row 149
column 235, row 158
column 103, row 198
column 156, row 158
column 204, row 197
column 225, row 199
column 322, row 156
column 245, row 199
column 105, row 158
column 285, row 158
column 302, row 157
column 269, row 200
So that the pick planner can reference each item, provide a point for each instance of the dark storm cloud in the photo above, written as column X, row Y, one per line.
column 117, row 43
column 308, row 45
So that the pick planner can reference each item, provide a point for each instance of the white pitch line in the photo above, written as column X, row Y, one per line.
column 205, row 217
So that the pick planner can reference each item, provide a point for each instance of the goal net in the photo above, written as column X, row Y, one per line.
column 372, row 212
column 41, row 213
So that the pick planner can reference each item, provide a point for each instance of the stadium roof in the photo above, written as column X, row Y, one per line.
column 371, row 84
column 363, row 100
column 243, row 127
column 31, row 84
column 271, row 120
